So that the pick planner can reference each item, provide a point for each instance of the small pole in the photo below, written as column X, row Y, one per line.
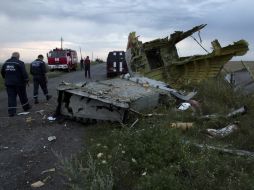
column 61, row 43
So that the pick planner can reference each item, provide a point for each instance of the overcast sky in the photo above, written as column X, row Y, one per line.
column 34, row 27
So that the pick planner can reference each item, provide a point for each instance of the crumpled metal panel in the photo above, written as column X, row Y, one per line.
column 159, row 59
column 105, row 100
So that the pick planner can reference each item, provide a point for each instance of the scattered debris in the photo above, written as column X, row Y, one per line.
column 51, row 138
column 48, row 170
column 4, row 147
column 50, row 118
column 234, row 113
column 29, row 119
column 40, row 112
column 134, row 123
column 225, row 150
column 159, row 58
column 37, row 184
column 242, row 79
column 23, row 113
column 239, row 111
column 220, row 133
column 182, row 125
column 184, row 106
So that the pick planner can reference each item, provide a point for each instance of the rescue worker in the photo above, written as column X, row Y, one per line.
column 16, row 79
column 87, row 67
column 38, row 70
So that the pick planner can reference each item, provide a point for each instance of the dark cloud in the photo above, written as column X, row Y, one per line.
column 107, row 23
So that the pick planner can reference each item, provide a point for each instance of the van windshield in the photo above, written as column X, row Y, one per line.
column 57, row 54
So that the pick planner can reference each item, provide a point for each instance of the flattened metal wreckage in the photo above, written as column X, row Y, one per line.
column 158, row 60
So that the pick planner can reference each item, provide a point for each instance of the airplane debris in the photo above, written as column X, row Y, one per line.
column 239, row 111
column 182, row 125
column 23, row 113
column 134, row 123
column 220, row 133
column 184, row 106
column 48, row 170
column 29, row 119
column 242, row 79
column 40, row 112
column 159, row 59
column 51, row 138
column 37, row 184
column 50, row 118
column 225, row 150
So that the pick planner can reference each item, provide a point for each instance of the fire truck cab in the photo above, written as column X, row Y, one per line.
column 65, row 59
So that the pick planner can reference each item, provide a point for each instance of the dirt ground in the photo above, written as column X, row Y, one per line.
column 25, row 151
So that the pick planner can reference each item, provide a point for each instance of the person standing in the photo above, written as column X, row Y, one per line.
column 81, row 64
column 38, row 70
column 87, row 67
column 16, row 79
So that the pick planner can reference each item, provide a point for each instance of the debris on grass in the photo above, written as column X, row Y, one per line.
column 51, row 138
column 29, row 119
column 40, row 112
column 239, row 111
column 50, row 118
column 184, row 106
column 48, row 170
column 134, row 123
column 23, row 113
column 37, row 184
column 182, row 125
column 220, row 133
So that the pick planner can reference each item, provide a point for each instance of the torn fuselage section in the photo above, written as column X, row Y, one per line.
column 112, row 99
column 105, row 100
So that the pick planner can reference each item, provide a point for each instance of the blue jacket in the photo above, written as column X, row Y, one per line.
column 38, row 68
column 14, row 72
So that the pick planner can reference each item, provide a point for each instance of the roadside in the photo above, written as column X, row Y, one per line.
column 25, row 151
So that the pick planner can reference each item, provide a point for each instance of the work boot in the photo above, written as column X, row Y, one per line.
column 28, row 107
column 48, row 97
column 36, row 101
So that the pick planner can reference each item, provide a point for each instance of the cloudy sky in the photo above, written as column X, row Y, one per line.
column 34, row 27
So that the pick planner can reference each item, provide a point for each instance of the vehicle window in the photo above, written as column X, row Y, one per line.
column 57, row 54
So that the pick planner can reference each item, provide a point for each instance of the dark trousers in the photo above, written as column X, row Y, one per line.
column 12, row 92
column 81, row 66
column 42, row 82
column 87, row 71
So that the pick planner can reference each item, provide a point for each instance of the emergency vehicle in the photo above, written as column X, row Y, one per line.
column 65, row 59
column 116, row 64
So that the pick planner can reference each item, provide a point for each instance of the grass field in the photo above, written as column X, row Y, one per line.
column 153, row 155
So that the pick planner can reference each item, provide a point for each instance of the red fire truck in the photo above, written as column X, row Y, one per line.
column 65, row 59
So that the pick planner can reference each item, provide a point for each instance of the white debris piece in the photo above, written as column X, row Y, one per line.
column 51, row 138
column 222, row 132
column 23, row 113
column 184, row 106
column 50, row 118
column 37, row 184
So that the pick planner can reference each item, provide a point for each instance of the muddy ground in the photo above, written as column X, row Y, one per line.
column 25, row 151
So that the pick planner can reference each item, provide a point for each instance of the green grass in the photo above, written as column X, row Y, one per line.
column 152, row 155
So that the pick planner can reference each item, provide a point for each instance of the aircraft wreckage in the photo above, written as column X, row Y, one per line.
column 161, row 67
